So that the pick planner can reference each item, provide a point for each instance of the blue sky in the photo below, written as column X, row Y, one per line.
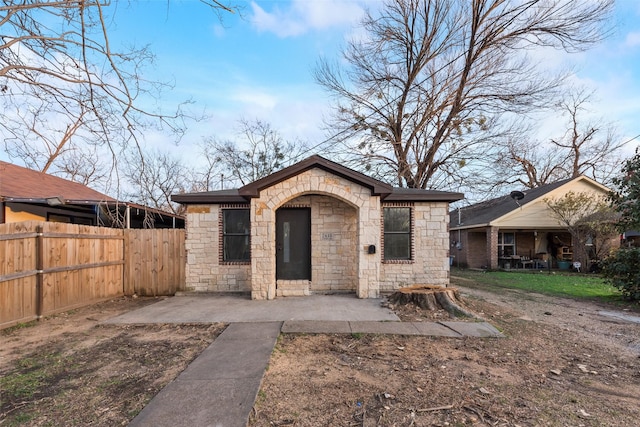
column 259, row 65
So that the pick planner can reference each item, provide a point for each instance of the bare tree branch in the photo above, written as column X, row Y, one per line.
column 424, row 90
column 63, row 86
column 259, row 151
column 587, row 147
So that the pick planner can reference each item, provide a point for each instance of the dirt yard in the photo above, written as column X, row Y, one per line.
column 561, row 363
column 69, row 370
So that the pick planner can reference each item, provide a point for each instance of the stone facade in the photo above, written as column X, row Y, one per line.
column 366, row 229
column 204, row 271
column 430, row 263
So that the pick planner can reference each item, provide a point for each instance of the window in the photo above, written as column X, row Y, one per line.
column 236, row 233
column 506, row 244
column 397, row 233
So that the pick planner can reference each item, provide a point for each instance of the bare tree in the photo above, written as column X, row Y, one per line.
column 528, row 164
column 587, row 147
column 424, row 89
column 83, row 166
column 259, row 151
column 153, row 176
column 592, row 147
column 210, row 175
column 64, row 86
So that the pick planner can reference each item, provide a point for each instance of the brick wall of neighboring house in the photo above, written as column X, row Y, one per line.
column 475, row 247
column 431, row 251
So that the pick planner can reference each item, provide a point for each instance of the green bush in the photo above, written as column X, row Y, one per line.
column 621, row 270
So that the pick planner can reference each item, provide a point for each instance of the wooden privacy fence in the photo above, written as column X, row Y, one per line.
column 48, row 267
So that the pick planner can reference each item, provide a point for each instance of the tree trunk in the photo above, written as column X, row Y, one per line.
column 430, row 297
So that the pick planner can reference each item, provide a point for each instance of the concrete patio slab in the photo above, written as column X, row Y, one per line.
column 239, row 308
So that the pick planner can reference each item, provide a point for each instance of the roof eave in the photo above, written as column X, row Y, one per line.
column 43, row 201
column 194, row 199
column 427, row 197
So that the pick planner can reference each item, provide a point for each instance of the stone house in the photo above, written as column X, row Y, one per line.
column 316, row 227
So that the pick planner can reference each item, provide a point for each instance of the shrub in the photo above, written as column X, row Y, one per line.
column 621, row 270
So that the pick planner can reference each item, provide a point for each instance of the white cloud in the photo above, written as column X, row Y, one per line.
column 218, row 30
column 633, row 39
column 254, row 98
column 303, row 16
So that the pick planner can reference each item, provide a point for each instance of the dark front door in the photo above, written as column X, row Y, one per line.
column 293, row 244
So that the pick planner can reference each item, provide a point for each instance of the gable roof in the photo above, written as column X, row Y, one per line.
column 378, row 188
column 484, row 213
column 22, row 184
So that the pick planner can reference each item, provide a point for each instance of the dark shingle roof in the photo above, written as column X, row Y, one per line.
column 484, row 212
column 382, row 189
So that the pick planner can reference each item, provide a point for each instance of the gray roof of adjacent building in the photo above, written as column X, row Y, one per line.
column 483, row 213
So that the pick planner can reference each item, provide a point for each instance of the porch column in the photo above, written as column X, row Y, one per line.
column 263, row 258
column 369, row 226
column 492, row 247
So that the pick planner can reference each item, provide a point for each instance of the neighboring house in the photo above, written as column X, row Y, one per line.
column 26, row 195
column 516, row 230
column 630, row 239
column 316, row 227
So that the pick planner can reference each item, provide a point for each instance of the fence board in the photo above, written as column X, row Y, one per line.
column 81, row 264
column 17, row 296
column 155, row 262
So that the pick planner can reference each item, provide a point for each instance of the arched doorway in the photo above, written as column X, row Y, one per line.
column 316, row 246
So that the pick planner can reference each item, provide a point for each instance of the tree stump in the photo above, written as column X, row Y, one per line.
column 430, row 297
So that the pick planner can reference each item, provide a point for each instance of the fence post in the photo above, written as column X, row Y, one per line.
column 126, row 268
column 39, row 272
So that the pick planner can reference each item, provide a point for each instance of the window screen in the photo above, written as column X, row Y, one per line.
column 236, row 244
column 397, row 233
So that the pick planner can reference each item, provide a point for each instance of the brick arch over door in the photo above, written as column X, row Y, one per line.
column 321, row 182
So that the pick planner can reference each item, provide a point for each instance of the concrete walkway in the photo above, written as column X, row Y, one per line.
column 220, row 386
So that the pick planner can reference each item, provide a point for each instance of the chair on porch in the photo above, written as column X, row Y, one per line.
column 526, row 262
